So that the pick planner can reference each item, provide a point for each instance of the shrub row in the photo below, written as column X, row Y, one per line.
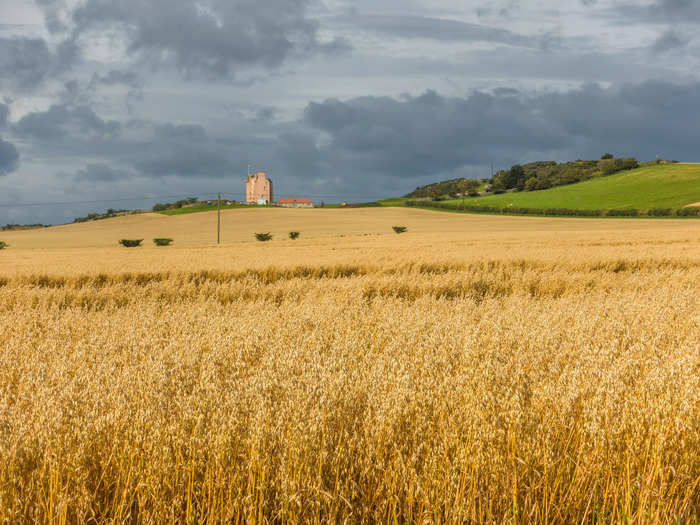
column 373, row 204
column 133, row 243
column 561, row 212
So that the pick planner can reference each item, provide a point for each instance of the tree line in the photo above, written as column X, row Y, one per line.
column 533, row 176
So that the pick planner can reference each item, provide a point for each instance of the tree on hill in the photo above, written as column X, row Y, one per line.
column 533, row 176
column 610, row 166
column 454, row 188
column 174, row 205
column 607, row 156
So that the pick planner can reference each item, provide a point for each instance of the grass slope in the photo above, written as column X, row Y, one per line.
column 663, row 186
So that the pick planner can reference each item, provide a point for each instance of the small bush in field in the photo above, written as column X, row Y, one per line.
column 294, row 235
column 131, row 243
column 3, row 245
column 161, row 241
column 399, row 229
column 263, row 237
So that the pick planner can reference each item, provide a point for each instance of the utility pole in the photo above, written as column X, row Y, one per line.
column 218, row 219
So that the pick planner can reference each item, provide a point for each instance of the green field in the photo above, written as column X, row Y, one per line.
column 663, row 186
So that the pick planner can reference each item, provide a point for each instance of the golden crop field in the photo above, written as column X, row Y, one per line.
column 475, row 369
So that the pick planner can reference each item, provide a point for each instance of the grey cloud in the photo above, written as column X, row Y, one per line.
column 674, row 13
column 661, row 11
column 214, row 37
column 133, row 148
column 4, row 115
column 25, row 63
column 498, row 8
column 100, row 173
column 9, row 157
column 63, row 122
column 435, row 29
column 668, row 41
column 116, row 77
column 129, row 79
column 182, row 150
column 55, row 15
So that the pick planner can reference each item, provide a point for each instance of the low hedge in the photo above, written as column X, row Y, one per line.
column 660, row 212
column 689, row 212
column 558, row 212
column 626, row 212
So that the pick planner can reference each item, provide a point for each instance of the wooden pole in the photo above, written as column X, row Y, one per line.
column 218, row 220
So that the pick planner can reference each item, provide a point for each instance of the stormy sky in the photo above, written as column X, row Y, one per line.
column 126, row 103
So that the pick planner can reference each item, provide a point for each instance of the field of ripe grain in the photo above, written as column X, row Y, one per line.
column 484, row 370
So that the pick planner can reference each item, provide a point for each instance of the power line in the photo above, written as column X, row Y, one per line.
column 65, row 203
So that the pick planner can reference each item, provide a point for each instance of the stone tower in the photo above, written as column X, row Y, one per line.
column 258, row 188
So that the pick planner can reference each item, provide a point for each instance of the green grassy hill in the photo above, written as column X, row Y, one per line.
column 659, row 186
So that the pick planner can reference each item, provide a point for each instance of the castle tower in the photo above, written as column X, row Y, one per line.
column 258, row 188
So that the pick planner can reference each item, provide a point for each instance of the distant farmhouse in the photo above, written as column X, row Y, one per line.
column 258, row 188
column 295, row 203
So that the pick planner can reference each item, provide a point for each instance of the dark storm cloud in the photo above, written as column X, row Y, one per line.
column 435, row 29
column 9, row 157
column 642, row 120
column 432, row 134
column 214, row 37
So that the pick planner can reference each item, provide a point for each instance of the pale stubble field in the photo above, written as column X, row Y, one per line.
column 475, row 369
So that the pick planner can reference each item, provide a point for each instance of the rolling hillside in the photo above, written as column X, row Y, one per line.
column 663, row 186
